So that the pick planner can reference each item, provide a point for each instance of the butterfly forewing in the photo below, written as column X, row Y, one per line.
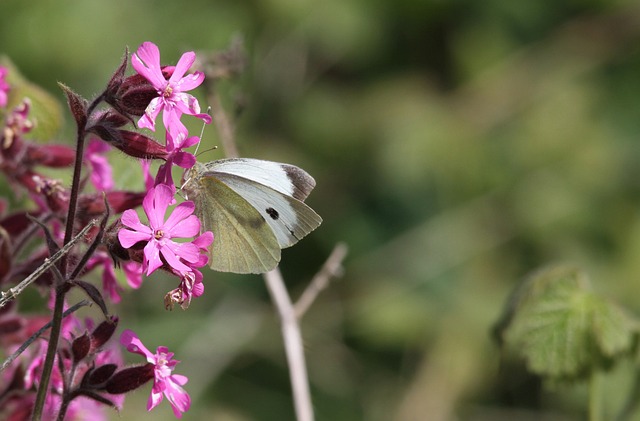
column 289, row 218
column 287, row 179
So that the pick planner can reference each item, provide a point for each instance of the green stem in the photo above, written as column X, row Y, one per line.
column 595, row 396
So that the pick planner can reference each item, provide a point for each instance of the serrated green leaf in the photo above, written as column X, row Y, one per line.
column 531, row 288
column 551, row 333
column 613, row 329
column 46, row 110
column 563, row 330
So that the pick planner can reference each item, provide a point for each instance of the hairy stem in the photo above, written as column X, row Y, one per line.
column 61, row 287
column 75, row 191
column 56, row 324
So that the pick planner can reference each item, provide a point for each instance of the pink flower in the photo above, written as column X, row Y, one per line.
column 165, row 383
column 101, row 173
column 177, row 156
column 159, row 234
column 146, row 173
column 172, row 97
column 4, row 87
column 131, row 269
column 191, row 282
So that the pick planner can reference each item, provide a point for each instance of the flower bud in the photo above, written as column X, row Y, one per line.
column 80, row 347
column 92, row 206
column 99, row 376
column 130, row 379
column 140, row 146
column 54, row 156
column 103, row 332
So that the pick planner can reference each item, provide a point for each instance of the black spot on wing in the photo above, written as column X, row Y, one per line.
column 273, row 213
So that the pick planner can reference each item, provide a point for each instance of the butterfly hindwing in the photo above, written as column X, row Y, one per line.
column 244, row 242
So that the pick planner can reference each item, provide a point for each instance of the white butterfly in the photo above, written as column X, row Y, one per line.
column 254, row 208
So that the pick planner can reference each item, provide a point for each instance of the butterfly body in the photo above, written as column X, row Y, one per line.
column 254, row 209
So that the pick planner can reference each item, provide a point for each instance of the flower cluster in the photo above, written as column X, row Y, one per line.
column 84, row 372
column 156, row 239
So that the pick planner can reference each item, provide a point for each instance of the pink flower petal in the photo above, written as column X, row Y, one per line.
column 146, row 61
column 188, row 227
column 110, row 283
column 183, row 65
column 152, row 257
column 154, row 400
column 155, row 205
column 180, row 212
column 130, row 219
column 128, row 238
column 204, row 240
column 184, row 159
column 170, row 256
column 130, row 340
column 190, row 82
column 186, row 103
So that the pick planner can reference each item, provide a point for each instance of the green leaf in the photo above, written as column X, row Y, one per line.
column 563, row 330
column 46, row 110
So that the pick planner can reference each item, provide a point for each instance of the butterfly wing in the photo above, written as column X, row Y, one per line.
column 244, row 242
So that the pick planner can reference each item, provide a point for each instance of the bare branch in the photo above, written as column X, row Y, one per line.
column 332, row 268
column 290, row 327
column 292, row 344
column 6, row 296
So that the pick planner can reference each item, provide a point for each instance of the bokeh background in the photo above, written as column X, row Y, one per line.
column 457, row 146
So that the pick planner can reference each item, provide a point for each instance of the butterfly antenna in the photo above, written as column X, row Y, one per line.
column 202, row 131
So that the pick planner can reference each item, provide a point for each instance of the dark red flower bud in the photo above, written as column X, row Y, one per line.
column 28, row 179
column 136, row 99
column 11, row 325
column 106, row 125
column 113, row 119
column 130, row 379
column 54, row 156
column 103, row 332
column 77, row 105
column 92, row 206
column 107, row 133
column 80, row 347
column 110, row 240
column 120, row 201
column 118, row 76
column 140, row 146
column 96, row 378
column 17, row 223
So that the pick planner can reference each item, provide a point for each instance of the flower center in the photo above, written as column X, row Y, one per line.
column 168, row 91
column 158, row 234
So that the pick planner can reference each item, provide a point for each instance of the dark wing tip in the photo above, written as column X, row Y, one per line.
column 302, row 182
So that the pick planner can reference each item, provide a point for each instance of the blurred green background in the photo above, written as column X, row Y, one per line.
column 456, row 145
